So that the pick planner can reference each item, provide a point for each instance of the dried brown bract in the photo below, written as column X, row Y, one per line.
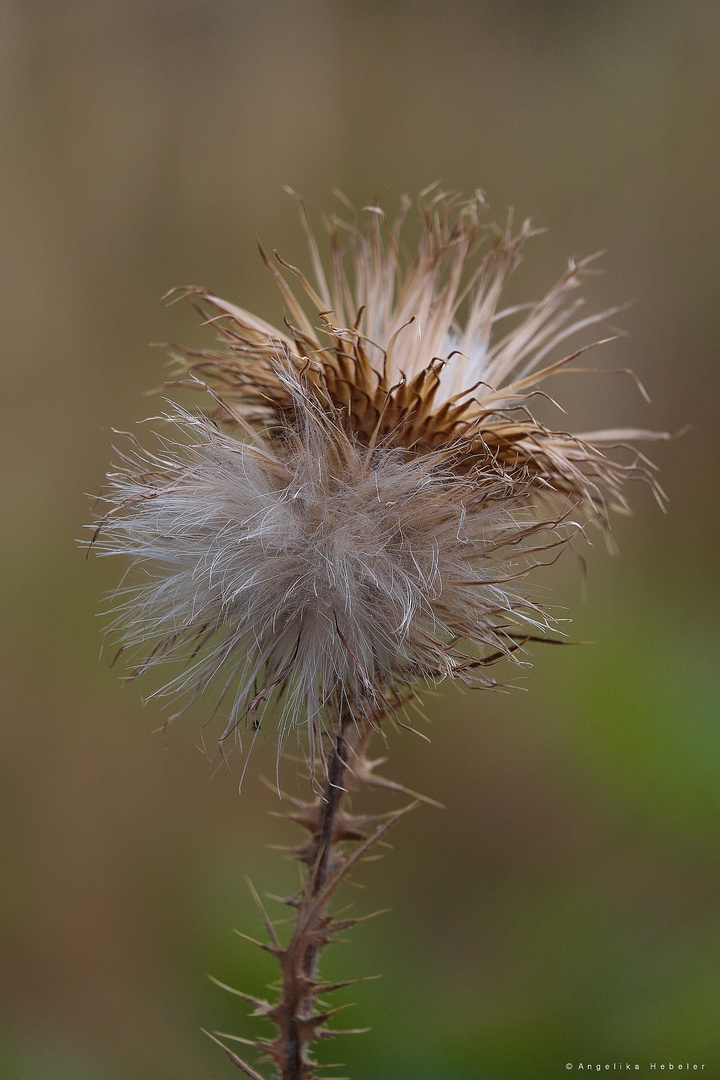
column 411, row 351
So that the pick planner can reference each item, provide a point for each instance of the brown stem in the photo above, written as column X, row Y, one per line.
column 308, row 938
column 332, row 798
column 299, row 1017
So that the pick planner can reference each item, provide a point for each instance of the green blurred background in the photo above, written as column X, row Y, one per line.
column 564, row 907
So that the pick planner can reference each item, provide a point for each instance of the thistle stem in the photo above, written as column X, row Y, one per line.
column 299, row 1015
column 332, row 798
column 309, row 936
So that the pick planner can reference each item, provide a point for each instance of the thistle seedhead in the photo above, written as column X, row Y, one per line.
column 358, row 510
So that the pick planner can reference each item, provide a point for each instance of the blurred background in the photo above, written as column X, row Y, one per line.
column 564, row 907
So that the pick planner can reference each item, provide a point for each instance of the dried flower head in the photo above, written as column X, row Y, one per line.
column 359, row 509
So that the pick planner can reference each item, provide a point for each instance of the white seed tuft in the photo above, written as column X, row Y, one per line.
column 313, row 569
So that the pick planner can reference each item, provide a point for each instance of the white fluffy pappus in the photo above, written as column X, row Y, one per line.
column 313, row 571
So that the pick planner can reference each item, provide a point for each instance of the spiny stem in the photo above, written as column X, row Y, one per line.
column 332, row 799
column 319, row 859
column 299, row 1016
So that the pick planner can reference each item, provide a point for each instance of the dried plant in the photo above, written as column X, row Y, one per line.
column 355, row 516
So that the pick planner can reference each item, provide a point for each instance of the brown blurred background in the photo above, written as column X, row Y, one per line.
column 564, row 907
